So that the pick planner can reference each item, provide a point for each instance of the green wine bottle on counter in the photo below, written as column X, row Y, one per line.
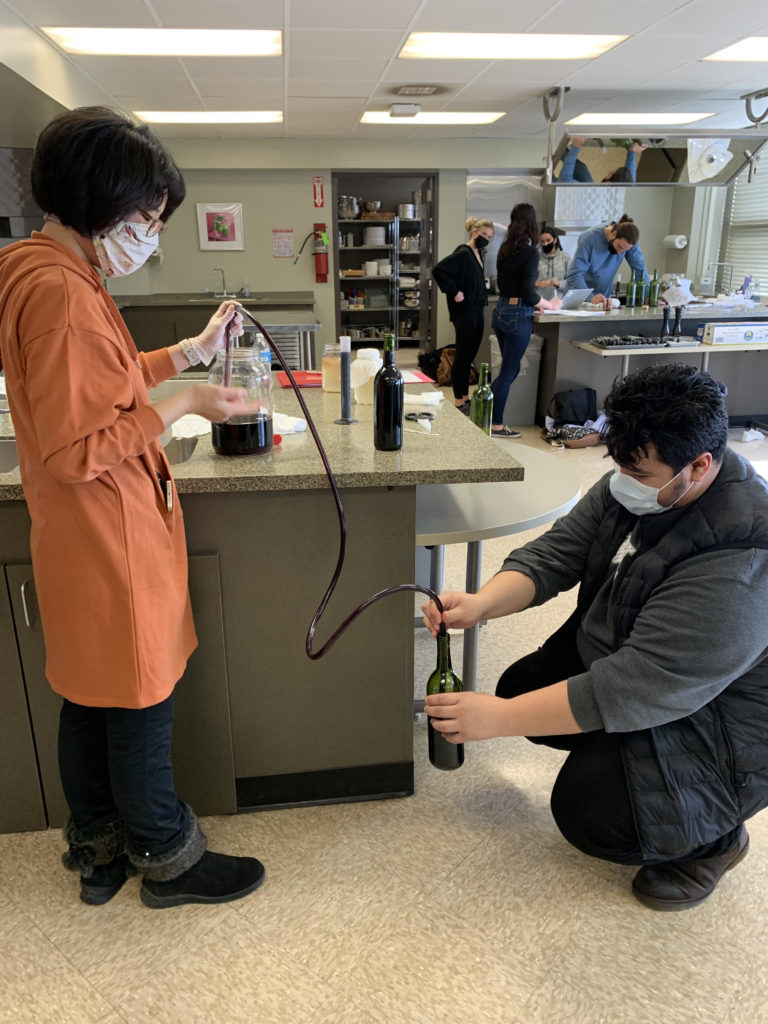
column 442, row 754
column 481, row 406
column 641, row 293
column 629, row 302
column 388, row 402
column 653, row 291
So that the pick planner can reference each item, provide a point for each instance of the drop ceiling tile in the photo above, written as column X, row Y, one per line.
column 730, row 21
column 352, row 69
column 545, row 71
column 605, row 17
column 109, row 70
column 489, row 16
column 339, row 44
column 324, row 106
column 340, row 14
column 86, row 12
column 415, row 72
column 222, row 14
column 252, row 69
column 338, row 88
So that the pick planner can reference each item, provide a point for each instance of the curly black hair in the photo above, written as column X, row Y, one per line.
column 674, row 407
column 93, row 166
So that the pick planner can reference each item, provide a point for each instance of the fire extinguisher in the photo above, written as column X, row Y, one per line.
column 321, row 254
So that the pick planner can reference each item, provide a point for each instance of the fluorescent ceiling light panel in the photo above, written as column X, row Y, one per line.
column 210, row 116
column 169, row 42
column 425, row 117
column 638, row 119
column 505, row 46
column 752, row 48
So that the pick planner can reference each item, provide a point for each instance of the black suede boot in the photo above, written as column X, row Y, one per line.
column 216, row 878
column 106, row 880
column 681, row 884
column 97, row 853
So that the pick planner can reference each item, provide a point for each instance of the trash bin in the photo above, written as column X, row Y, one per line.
column 520, row 409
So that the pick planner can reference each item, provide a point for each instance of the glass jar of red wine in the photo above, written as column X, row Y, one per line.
column 243, row 367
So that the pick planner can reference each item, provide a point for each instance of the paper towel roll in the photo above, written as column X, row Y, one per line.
column 675, row 241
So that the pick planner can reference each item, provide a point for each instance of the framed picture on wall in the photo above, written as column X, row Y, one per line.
column 220, row 226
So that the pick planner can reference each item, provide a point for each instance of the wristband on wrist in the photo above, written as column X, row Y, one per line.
column 190, row 351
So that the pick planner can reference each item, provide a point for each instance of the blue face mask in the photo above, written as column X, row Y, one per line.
column 639, row 498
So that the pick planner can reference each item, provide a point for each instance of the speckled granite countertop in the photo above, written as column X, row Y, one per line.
column 455, row 451
column 258, row 300
column 623, row 316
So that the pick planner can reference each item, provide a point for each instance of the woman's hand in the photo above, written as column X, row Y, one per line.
column 554, row 282
column 468, row 715
column 213, row 336
column 548, row 304
column 211, row 401
column 458, row 297
column 460, row 611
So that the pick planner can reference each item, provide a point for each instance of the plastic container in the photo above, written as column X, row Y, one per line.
column 331, row 368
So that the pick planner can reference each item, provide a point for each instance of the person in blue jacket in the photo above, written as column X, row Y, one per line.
column 599, row 253
column 574, row 169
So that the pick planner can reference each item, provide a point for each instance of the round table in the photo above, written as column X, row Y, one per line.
column 472, row 513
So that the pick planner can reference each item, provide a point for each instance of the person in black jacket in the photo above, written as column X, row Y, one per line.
column 657, row 685
column 461, row 276
column 516, row 266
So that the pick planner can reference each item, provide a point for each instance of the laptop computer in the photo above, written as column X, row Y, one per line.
column 574, row 297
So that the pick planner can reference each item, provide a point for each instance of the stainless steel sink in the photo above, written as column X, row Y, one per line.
column 8, row 458
column 179, row 449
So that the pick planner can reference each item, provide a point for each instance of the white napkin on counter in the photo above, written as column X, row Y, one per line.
column 283, row 424
column 191, row 425
column 425, row 398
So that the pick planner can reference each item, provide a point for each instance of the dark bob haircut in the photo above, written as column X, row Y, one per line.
column 675, row 407
column 93, row 166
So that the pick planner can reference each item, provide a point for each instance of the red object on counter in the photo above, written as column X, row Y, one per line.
column 304, row 378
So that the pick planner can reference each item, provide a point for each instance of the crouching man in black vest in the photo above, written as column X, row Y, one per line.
column 658, row 683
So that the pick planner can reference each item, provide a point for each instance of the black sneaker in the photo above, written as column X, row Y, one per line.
column 216, row 878
column 105, row 881
column 507, row 432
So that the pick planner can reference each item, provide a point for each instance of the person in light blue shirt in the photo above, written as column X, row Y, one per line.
column 599, row 253
column 574, row 169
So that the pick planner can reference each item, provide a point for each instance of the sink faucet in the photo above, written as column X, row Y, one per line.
column 223, row 293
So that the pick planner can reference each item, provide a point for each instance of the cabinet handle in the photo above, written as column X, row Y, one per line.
column 27, row 617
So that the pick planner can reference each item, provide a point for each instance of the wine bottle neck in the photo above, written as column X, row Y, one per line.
column 443, row 652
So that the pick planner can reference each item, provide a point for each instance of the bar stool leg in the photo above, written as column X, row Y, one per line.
column 437, row 568
column 474, row 568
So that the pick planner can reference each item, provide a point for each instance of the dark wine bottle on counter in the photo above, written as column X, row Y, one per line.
column 388, row 402
column 442, row 754
column 481, row 406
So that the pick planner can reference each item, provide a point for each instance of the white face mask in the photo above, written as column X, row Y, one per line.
column 124, row 248
column 639, row 498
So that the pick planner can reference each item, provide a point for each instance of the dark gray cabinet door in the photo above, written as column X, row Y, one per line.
column 21, row 802
column 202, row 745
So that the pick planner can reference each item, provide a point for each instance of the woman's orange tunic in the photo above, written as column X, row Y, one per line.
column 109, row 558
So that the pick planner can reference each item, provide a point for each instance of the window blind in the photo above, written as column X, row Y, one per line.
column 745, row 239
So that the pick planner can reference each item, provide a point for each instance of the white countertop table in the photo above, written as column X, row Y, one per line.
column 473, row 512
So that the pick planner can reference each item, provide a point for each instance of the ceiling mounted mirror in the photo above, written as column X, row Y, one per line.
column 695, row 158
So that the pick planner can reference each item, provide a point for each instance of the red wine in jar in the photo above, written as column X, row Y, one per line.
column 242, row 438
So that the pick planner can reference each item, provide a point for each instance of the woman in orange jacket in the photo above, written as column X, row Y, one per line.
column 103, row 506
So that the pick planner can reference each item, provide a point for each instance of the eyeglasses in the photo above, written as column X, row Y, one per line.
column 142, row 230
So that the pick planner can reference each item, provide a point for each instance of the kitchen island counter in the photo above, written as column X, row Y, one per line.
column 259, row 724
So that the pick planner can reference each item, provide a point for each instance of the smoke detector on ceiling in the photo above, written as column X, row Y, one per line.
column 404, row 109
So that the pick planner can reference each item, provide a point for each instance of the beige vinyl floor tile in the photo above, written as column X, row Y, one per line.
column 426, row 964
column 227, row 975
column 37, row 979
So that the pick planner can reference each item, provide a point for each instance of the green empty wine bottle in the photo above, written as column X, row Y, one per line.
column 653, row 291
column 442, row 754
column 641, row 289
column 629, row 302
column 481, row 406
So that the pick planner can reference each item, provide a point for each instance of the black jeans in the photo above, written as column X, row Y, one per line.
column 469, row 333
column 115, row 764
column 590, row 801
